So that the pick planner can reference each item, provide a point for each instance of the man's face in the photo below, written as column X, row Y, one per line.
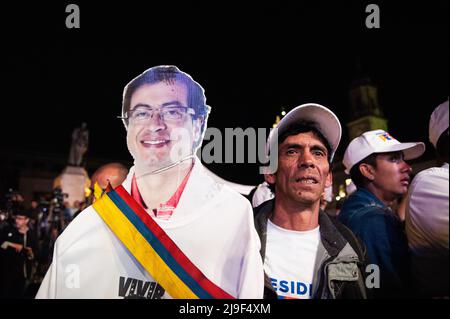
column 34, row 204
column 391, row 175
column 21, row 221
column 151, row 142
column 303, row 170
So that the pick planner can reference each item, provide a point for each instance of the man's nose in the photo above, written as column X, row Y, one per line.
column 305, row 159
column 406, row 168
column 156, row 123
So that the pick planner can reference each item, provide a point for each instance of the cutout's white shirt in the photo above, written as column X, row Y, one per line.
column 212, row 225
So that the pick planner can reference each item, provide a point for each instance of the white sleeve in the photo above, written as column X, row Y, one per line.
column 48, row 288
column 427, row 210
column 252, row 277
column 252, row 272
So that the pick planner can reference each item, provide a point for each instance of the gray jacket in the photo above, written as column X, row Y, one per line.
column 340, row 263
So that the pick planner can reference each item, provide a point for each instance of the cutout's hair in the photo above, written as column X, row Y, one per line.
column 168, row 74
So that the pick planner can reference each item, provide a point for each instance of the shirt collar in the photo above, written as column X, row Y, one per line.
column 200, row 189
column 364, row 192
column 170, row 205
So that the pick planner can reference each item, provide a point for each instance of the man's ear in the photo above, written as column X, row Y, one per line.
column 367, row 171
column 270, row 178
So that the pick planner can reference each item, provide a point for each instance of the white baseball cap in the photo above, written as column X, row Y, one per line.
column 378, row 141
column 325, row 121
column 438, row 122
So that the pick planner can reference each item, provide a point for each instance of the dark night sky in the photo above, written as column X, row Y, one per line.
column 250, row 60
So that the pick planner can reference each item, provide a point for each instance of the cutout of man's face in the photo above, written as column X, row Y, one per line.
column 157, row 141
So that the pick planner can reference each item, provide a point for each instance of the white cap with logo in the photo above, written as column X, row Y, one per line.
column 325, row 121
column 378, row 141
column 438, row 122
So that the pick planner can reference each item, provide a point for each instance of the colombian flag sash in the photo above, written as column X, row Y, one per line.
column 153, row 248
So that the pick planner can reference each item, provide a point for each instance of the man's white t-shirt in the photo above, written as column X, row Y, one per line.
column 290, row 259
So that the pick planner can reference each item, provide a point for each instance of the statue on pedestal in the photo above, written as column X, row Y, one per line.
column 80, row 141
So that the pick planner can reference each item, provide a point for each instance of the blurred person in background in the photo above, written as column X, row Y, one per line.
column 18, row 245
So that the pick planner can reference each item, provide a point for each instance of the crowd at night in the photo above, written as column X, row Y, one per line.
column 136, row 137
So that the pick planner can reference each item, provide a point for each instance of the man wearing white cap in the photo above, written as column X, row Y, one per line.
column 376, row 163
column 427, row 215
column 306, row 254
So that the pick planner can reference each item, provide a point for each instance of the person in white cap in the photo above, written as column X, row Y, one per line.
column 427, row 215
column 306, row 254
column 170, row 230
column 376, row 163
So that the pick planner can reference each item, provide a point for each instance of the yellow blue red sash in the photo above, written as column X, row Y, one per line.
column 153, row 248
